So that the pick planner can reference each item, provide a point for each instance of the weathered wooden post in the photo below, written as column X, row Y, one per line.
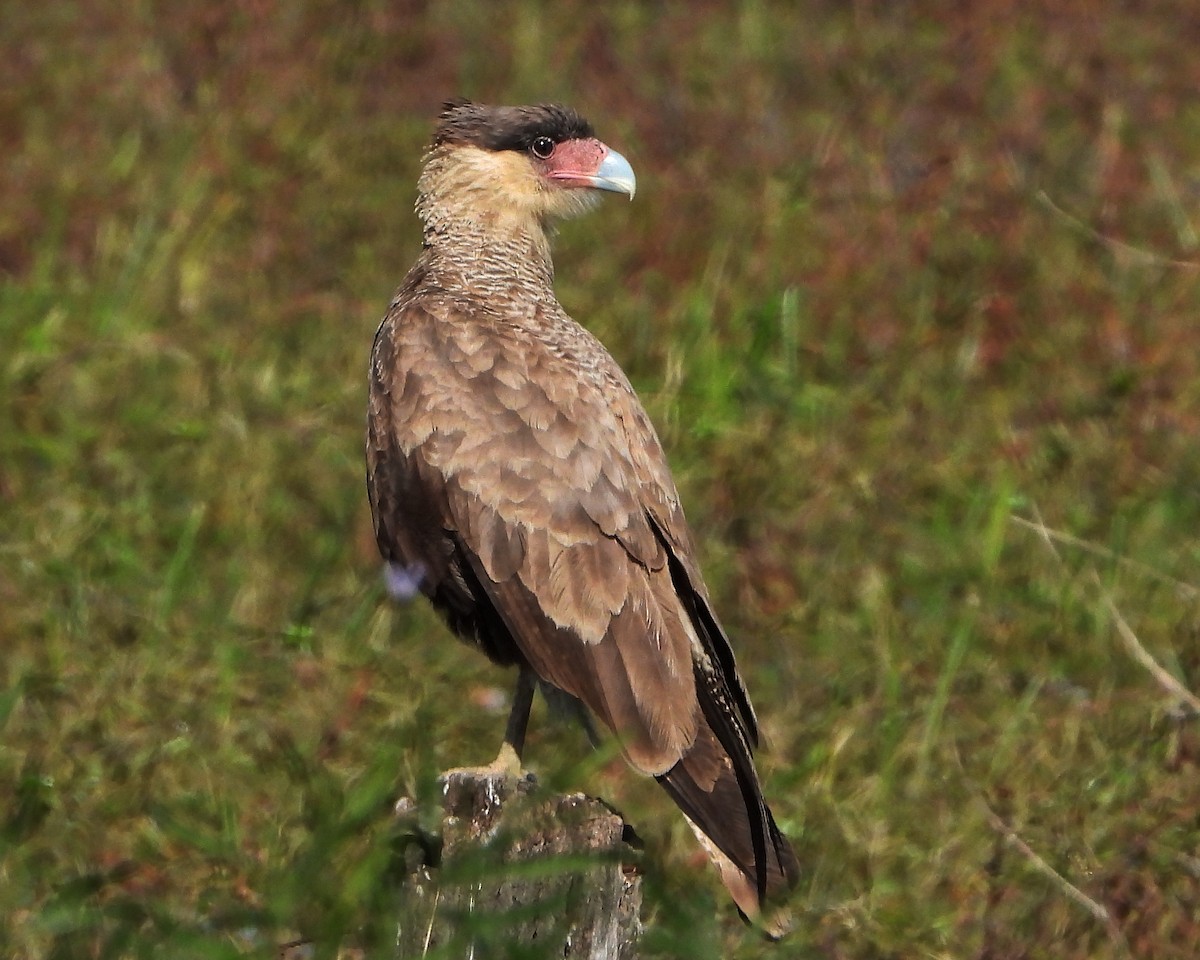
column 523, row 874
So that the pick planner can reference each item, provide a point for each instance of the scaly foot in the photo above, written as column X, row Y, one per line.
column 506, row 766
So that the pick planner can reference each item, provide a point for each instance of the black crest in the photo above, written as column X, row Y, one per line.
column 507, row 128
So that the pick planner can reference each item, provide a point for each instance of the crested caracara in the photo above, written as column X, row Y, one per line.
column 515, row 478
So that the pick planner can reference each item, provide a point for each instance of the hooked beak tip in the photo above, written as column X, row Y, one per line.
column 615, row 174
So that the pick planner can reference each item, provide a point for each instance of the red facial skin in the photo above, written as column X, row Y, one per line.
column 574, row 162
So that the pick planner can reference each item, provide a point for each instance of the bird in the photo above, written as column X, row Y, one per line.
column 516, row 480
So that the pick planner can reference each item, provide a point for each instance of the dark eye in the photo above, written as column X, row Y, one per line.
column 542, row 147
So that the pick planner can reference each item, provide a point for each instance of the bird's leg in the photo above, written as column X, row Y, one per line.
column 508, row 761
column 518, row 716
column 564, row 705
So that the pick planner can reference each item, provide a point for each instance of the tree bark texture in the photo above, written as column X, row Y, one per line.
column 519, row 874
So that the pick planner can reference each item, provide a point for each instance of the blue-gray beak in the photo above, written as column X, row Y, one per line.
column 615, row 174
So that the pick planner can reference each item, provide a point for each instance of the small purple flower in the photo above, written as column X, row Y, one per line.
column 403, row 583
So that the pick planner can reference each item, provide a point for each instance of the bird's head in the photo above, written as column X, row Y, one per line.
column 505, row 167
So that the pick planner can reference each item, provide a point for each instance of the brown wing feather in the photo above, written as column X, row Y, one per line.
column 665, row 515
column 533, row 479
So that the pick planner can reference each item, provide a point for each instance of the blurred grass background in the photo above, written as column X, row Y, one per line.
column 898, row 275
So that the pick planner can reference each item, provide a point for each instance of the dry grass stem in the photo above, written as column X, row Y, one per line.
column 1120, row 249
column 1129, row 639
column 1039, row 864
column 1096, row 909
column 1142, row 656
column 1144, row 569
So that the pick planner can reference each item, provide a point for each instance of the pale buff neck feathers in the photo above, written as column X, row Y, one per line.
column 489, row 219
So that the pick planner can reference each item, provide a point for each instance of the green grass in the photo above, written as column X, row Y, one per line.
column 893, row 278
